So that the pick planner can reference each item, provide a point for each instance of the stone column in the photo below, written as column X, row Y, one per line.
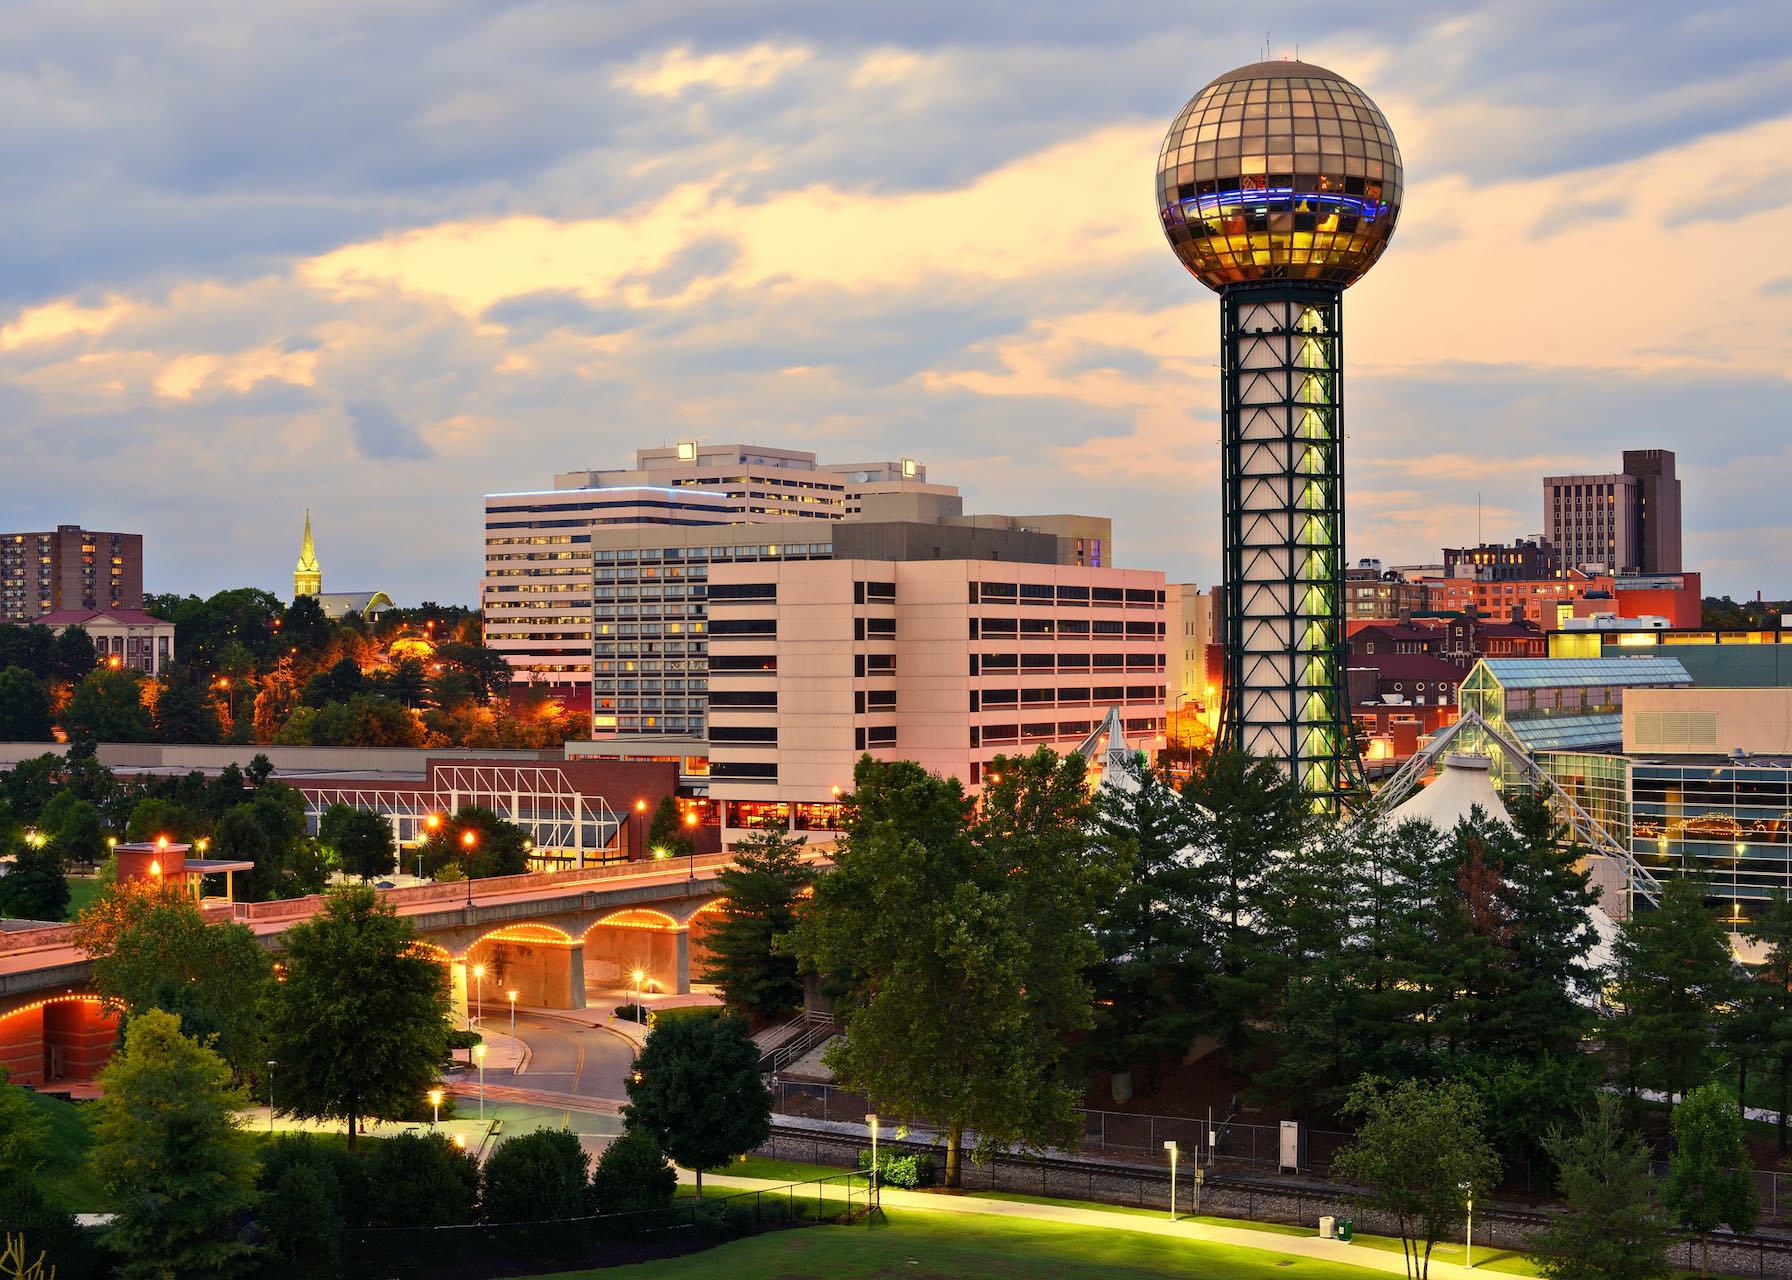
column 575, row 976
column 681, row 965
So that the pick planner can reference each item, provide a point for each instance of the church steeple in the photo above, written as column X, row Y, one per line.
column 307, row 577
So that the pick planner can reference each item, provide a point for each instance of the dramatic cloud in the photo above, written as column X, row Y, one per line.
column 379, row 261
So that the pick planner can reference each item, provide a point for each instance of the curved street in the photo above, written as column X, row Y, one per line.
column 566, row 1055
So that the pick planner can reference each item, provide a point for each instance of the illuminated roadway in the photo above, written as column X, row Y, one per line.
column 567, row 1056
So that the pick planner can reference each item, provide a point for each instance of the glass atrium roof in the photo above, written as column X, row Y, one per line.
column 1568, row 673
column 1567, row 733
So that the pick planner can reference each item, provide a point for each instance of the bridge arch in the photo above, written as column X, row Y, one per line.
column 635, row 949
column 65, row 1037
column 536, row 961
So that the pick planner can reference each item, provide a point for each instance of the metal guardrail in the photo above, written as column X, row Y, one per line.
column 820, row 1028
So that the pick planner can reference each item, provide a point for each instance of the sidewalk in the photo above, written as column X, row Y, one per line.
column 1335, row 1251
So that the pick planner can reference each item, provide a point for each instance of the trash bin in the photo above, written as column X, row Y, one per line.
column 1345, row 1229
column 1328, row 1227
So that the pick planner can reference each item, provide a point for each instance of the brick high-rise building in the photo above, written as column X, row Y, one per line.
column 69, row 568
column 1621, row 522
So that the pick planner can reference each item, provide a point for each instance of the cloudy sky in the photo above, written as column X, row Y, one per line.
column 381, row 258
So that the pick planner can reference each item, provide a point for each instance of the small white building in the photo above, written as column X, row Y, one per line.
column 121, row 637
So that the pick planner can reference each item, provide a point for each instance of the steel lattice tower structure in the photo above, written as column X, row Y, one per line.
column 1279, row 185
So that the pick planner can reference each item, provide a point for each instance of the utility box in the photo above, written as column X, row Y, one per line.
column 1290, row 1158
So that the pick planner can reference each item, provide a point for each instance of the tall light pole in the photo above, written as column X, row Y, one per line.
column 871, row 1119
column 640, row 1013
column 1174, row 1152
column 640, row 827
column 1468, row 1237
column 479, row 1052
column 479, row 994
column 469, row 840
column 270, row 1095
column 511, row 996
column 435, row 1100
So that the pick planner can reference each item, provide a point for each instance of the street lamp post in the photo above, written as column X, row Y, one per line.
column 270, row 1095
column 640, row 827
column 468, row 840
column 1174, row 1152
column 435, row 1100
column 690, row 840
column 640, row 1013
column 511, row 996
column 479, row 994
column 1468, row 1237
column 479, row 1052
column 871, row 1119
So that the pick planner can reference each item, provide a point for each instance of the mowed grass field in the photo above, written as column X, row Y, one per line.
column 940, row 1246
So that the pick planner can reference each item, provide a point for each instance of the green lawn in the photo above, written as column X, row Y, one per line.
column 67, row 1176
column 929, row 1246
column 81, row 891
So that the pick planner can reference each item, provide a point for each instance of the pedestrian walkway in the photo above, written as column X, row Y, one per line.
column 1336, row 1251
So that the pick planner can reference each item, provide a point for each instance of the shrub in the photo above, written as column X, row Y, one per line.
column 50, row 1231
column 630, row 1013
column 632, row 1174
column 302, row 1217
column 345, row 1170
column 662, row 1016
column 535, row 1175
column 420, row 1180
column 901, row 1171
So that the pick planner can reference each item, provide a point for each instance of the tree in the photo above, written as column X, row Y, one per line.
column 1419, row 1154
column 183, row 713
column 696, row 1088
column 1153, row 958
column 51, row 1237
column 1248, row 813
column 151, row 948
column 1610, row 1227
column 23, row 1131
column 171, row 1156
column 107, row 706
column 1709, row 1181
column 360, row 839
column 421, row 1180
column 759, row 897
column 535, row 1175
column 361, row 1023
column 666, row 835
column 73, row 654
column 36, row 887
column 311, row 1193
column 24, row 707
column 77, row 833
column 1771, row 996
column 632, row 1175
column 496, row 847
column 967, row 957
column 1674, row 973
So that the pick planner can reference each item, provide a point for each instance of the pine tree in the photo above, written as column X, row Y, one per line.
column 758, row 905
column 1771, row 996
column 1674, row 973
column 1610, row 1227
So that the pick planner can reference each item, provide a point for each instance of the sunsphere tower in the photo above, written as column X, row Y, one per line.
column 1279, row 184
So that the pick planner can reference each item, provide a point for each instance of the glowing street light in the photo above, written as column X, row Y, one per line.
column 1174, row 1151
column 640, row 1013
column 478, row 993
column 871, row 1119
column 511, row 996
column 479, row 1052
column 640, row 826
column 435, row 1100
column 1468, row 1238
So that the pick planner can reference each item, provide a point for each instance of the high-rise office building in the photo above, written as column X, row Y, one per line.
column 596, row 589
column 69, row 568
column 1621, row 522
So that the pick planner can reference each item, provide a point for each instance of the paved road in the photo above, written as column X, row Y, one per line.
column 567, row 1056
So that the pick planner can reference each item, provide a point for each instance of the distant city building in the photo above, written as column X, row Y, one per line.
column 69, row 568
column 1524, row 559
column 597, row 589
column 121, row 637
column 1624, row 522
column 1546, row 602
column 308, row 580
column 947, row 662
column 1193, row 664
column 1372, row 593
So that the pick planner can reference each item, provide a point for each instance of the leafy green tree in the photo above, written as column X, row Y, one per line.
column 361, row 1023
column 1709, row 1183
column 183, row 713
column 31, row 646
column 152, row 817
column 171, row 1156
column 77, row 832
column 1673, row 976
column 968, row 957
column 50, row 1232
column 696, row 1088
column 1770, row 997
column 420, row 1180
column 632, row 1175
column 23, row 1131
column 311, row 1193
column 665, row 833
column 107, row 706
column 1417, row 1146
column 759, row 903
column 1610, row 1227
column 305, row 626
column 497, row 847
column 535, row 1175
column 36, row 887
column 73, row 655
column 1248, row 813
column 152, row 948
column 360, row 839
column 24, row 707
column 1153, row 947
column 269, row 830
